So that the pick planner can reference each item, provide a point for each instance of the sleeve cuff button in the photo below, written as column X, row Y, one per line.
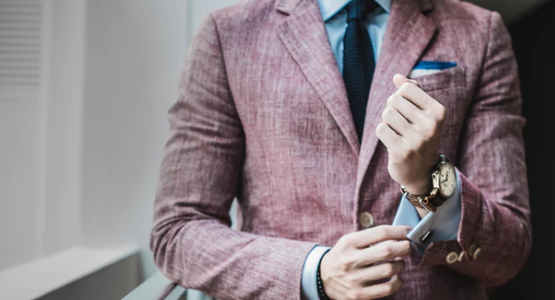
column 452, row 258
column 477, row 253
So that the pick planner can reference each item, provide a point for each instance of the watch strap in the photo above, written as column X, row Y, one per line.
column 430, row 204
column 431, row 201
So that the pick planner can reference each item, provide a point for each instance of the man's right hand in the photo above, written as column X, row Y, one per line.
column 361, row 257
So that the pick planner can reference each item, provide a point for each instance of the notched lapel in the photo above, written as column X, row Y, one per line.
column 407, row 36
column 304, row 35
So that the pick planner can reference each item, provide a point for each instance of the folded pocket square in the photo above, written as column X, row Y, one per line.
column 430, row 67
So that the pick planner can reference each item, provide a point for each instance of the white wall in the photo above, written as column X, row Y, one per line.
column 134, row 54
column 40, row 148
column 60, row 151
column 20, row 101
column 79, row 165
column 18, row 181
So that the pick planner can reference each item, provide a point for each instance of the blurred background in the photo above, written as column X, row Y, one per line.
column 84, row 90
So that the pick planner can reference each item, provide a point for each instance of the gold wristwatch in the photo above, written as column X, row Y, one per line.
column 444, row 185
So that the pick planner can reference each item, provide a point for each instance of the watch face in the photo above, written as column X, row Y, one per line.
column 447, row 180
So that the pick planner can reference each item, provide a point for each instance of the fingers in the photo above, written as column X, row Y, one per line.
column 400, row 112
column 371, row 236
column 388, row 136
column 410, row 90
column 377, row 272
column 383, row 252
column 406, row 108
column 424, row 113
column 399, row 79
column 396, row 121
column 351, row 266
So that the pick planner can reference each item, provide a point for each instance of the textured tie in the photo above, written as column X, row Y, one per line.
column 358, row 60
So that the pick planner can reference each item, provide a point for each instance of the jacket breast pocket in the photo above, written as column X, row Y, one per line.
column 447, row 79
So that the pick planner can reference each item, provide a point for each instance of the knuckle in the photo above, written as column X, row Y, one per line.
column 391, row 100
column 382, row 232
column 387, row 113
column 388, row 250
column 341, row 243
column 441, row 112
column 345, row 264
column 389, row 289
column 385, row 251
column 405, row 88
column 388, row 270
column 345, row 241
column 406, row 248
column 384, row 114
column 381, row 127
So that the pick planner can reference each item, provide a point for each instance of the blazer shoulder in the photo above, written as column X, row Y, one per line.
column 244, row 16
column 446, row 11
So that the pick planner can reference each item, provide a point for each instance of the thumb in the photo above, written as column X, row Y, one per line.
column 399, row 79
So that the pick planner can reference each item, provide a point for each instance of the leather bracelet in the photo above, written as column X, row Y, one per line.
column 319, row 284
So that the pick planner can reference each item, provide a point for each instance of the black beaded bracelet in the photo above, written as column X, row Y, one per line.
column 319, row 284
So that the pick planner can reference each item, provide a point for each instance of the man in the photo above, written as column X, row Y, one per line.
column 313, row 114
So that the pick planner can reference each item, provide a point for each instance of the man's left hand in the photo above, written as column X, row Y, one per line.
column 411, row 130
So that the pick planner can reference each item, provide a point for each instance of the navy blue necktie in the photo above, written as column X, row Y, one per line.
column 358, row 60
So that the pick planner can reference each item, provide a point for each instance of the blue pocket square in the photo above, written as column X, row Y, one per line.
column 430, row 67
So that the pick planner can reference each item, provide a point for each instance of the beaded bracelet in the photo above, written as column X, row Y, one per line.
column 319, row 284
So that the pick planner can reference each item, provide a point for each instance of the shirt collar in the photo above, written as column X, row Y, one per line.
column 330, row 8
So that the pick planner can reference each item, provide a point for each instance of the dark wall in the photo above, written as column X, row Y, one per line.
column 534, row 45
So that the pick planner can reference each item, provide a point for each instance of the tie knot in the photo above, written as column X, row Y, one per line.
column 358, row 9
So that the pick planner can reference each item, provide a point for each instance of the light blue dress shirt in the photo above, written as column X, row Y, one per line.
column 439, row 226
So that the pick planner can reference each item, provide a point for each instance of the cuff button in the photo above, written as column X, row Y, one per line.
column 472, row 249
column 477, row 253
column 461, row 256
column 452, row 257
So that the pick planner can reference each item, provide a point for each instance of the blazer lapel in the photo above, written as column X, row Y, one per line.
column 408, row 34
column 303, row 34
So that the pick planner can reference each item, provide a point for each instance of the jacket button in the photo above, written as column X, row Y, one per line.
column 366, row 220
column 452, row 257
column 461, row 256
column 471, row 249
column 476, row 253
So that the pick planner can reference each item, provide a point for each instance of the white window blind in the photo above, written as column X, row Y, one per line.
column 21, row 49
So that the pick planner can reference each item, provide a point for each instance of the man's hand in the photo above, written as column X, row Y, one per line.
column 349, row 268
column 411, row 130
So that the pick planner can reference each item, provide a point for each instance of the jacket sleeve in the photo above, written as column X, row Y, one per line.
column 191, row 240
column 495, row 228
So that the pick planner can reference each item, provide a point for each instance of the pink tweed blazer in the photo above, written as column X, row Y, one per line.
column 262, row 115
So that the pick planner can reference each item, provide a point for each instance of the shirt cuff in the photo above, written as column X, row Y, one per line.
column 308, row 279
column 443, row 225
